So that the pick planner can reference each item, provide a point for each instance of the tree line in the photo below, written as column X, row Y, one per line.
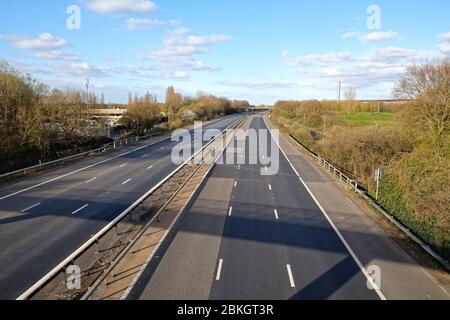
column 143, row 113
column 38, row 122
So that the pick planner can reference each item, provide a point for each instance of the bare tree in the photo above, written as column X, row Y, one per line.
column 429, row 85
column 173, row 102
column 433, row 110
column 420, row 78
column 141, row 116
column 350, row 97
column 69, row 114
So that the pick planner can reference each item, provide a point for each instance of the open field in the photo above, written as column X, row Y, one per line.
column 365, row 119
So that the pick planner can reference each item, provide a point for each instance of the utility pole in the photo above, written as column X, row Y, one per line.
column 377, row 178
column 339, row 91
column 87, row 99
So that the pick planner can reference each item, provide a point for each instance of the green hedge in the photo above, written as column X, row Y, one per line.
column 393, row 200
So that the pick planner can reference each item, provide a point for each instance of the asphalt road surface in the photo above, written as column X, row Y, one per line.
column 46, row 217
column 256, row 237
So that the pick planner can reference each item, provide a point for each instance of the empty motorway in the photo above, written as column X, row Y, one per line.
column 292, row 235
column 45, row 217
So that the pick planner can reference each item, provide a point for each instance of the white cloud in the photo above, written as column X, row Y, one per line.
column 372, row 36
column 444, row 48
column 445, row 36
column 317, row 59
column 380, row 65
column 56, row 55
column 178, row 57
column 379, row 36
column 392, row 54
column 143, row 24
column 179, row 75
column 65, row 70
column 351, row 35
column 79, row 69
column 44, row 46
column 180, row 36
column 43, row 41
column 120, row 6
column 206, row 40
column 169, row 52
column 137, row 24
column 265, row 85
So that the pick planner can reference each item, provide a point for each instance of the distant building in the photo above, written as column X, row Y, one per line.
column 110, row 116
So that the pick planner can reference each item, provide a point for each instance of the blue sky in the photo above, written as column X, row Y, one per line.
column 262, row 51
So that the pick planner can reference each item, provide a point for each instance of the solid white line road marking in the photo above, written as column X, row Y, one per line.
column 29, row 208
column 219, row 269
column 150, row 167
column 230, row 211
column 124, row 165
column 91, row 180
column 270, row 187
column 125, row 182
column 78, row 210
column 84, row 168
column 291, row 277
column 339, row 234
column 235, row 184
column 276, row 214
column 79, row 170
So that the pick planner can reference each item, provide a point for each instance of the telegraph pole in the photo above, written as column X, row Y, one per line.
column 377, row 177
column 87, row 99
column 339, row 91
